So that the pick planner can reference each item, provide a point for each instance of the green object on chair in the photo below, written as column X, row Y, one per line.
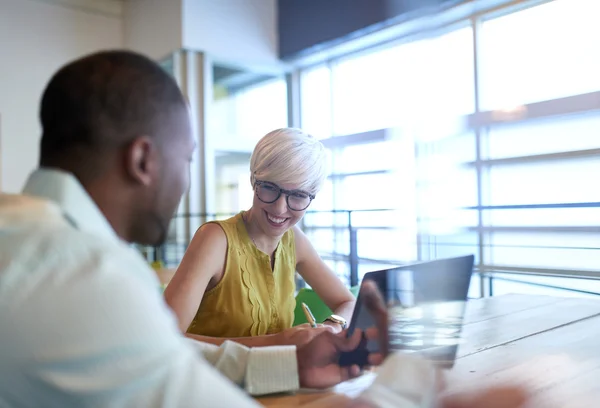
column 318, row 308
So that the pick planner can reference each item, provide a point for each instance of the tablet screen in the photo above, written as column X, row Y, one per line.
column 426, row 304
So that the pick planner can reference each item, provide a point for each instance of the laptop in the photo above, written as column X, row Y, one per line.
column 426, row 303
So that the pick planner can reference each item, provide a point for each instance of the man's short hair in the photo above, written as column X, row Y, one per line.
column 103, row 101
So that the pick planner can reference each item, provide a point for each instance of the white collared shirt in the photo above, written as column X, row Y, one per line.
column 83, row 322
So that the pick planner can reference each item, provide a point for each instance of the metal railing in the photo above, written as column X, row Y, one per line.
column 171, row 252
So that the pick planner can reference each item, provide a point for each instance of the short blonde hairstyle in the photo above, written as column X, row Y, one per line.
column 290, row 156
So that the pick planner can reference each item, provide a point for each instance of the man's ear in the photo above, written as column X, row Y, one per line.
column 141, row 161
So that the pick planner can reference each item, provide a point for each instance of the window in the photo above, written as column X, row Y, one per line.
column 541, row 53
column 246, row 106
column 538, row 207
column 370, row 92
column 537, row 202
column 349, row 101
column 543, row 136
column 514, row 191
column 391, row 87
column 240, row 116
column 422, row 171
column 316, row 101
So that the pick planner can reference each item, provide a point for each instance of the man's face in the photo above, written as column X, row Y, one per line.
column 175, row 151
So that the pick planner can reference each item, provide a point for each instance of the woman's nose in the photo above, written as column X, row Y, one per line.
column 281, row 204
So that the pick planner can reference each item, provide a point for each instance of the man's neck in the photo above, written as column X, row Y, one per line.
column 113, row 206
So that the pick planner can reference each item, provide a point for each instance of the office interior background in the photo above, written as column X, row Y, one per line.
column 453, row 127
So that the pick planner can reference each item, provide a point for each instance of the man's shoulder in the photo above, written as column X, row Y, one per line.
column 37, row 242
column 26, row 220
column 18, row 210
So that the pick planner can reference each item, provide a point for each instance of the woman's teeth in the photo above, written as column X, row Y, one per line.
column 276, row 220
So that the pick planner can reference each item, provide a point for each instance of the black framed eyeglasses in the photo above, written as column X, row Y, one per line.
column 267, row 192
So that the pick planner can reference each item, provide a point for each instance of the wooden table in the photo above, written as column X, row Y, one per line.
column 551, row 343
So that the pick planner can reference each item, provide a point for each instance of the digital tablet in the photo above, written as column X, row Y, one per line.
column 426, row 303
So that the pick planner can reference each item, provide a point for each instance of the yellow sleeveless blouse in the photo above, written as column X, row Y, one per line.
column 251, row 299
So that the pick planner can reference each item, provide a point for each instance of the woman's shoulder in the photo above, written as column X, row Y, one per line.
column 226, row 226
column 231, row 229
column 210, row 237
column 228, row 221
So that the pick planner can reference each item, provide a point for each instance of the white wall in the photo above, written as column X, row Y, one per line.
column 153, row 27
column 36, row 38
column 241, row 31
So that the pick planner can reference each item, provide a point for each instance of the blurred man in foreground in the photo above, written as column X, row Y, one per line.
column 83, row 320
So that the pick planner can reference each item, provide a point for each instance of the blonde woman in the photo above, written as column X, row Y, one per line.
column 237, row 278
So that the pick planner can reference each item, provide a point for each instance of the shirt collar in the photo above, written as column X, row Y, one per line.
column 68, row 193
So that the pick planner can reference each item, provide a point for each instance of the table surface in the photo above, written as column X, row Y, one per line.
column 552, row 342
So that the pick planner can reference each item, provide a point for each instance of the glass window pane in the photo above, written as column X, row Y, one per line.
column 519, row 285
column 365, row 90
column 324, row 199
column 329, row 240
column 551, row 258
column 240, row 117
column 370, row 191
column 400, row 218
column 446, row 188
column 454, row 150
column 404, row 83
column 549, row 217
column 315, row 99
column 234, row 191
column 569, row 251
column 386, row 244
column 544, row 52
column 326, row 218
column 450, row 83
column 540, row 53
column 366, row 266
column 556, row 181
column 452, row 245
column 541, row 239
column 246, row 105
column 340, row 268
column 552, row 135
column 372, row 157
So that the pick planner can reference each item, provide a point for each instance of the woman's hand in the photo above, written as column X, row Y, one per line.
column 299, row 335
column 335, row 327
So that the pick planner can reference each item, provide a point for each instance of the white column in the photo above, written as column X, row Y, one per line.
column 193, row 72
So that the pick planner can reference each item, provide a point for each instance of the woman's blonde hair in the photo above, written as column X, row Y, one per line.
column 290, row 156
